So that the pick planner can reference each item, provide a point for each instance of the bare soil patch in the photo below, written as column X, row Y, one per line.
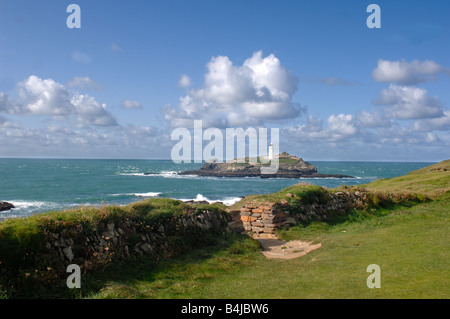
column 276, row 248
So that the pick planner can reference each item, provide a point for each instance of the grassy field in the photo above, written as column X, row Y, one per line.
column 409, row 243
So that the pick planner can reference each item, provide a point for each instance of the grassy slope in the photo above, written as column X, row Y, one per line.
column 410, row 244
column 432, row 181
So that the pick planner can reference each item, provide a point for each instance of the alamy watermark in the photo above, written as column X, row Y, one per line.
column 74, row 280
column 73, row 21
column 190, row 148
column 374, row 19
column 374, row 280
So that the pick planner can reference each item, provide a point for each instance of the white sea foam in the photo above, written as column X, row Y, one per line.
column 165, row 174
column 132, row 174
column 24, row 208
column 150, row 194
column 228, row 201
column 21, row 204
column 170, row 174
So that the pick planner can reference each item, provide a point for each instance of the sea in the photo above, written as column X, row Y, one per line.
column 36, row 186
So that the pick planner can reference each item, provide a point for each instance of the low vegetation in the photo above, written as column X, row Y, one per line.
column 407, row 239
column 27, row 267
column 429, row 182
column 409, row 244
column 302, row 192
column 404, row 231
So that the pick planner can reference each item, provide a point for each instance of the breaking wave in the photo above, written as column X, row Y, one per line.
column 149, row 194
column 228, row 201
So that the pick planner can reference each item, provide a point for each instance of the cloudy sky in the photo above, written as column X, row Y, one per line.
column 136, row 70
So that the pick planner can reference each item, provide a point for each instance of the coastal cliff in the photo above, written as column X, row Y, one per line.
column 289, row 166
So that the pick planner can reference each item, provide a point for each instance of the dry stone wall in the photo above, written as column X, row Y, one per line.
column 126, row 238
column 263, row 219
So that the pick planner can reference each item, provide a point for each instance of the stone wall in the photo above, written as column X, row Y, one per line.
column 125, row 238
column 261, row 220
column 120, row 239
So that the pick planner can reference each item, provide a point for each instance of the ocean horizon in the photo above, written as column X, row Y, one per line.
column 38, row 185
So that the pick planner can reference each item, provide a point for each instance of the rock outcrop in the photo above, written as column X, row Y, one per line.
column 5, row 206
column 289, row 166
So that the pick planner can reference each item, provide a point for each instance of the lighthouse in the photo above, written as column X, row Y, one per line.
column 270, row 151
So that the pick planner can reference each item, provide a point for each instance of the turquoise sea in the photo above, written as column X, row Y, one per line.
column 40, row 185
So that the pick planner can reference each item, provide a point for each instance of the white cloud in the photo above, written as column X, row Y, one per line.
column 407, row 73
column 256, row 92
column 366, row 119
column 341, row 125
column 81, row 57
column 131, row 104
column 43, row 97
column 49, row 98
column 71, row 124
column 409, row 103
column 6, row 104
column 311, row 131
column 185, row 81
column 342, row 138
column 82, row 83
column 407, row 135
column 91, row 112
column 438, row 123
column 382, row 134
column 114, row 47
column 431, row 137
column 128, row 141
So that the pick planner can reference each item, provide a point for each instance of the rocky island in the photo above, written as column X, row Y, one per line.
column 290, row 166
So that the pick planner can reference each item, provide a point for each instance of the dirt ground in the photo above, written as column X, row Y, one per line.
column 275, row 248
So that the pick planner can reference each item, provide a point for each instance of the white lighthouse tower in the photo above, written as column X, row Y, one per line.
column 270, row 151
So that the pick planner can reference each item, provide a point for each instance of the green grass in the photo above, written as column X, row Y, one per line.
column 408, row 240
column 304, row 193
column 409, row 244
column 431, row 181
column 28, row 270
column 182, row 276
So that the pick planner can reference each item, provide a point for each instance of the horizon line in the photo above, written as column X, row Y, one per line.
column 192, row 162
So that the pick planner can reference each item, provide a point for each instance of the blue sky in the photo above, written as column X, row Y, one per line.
column 112, row 88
